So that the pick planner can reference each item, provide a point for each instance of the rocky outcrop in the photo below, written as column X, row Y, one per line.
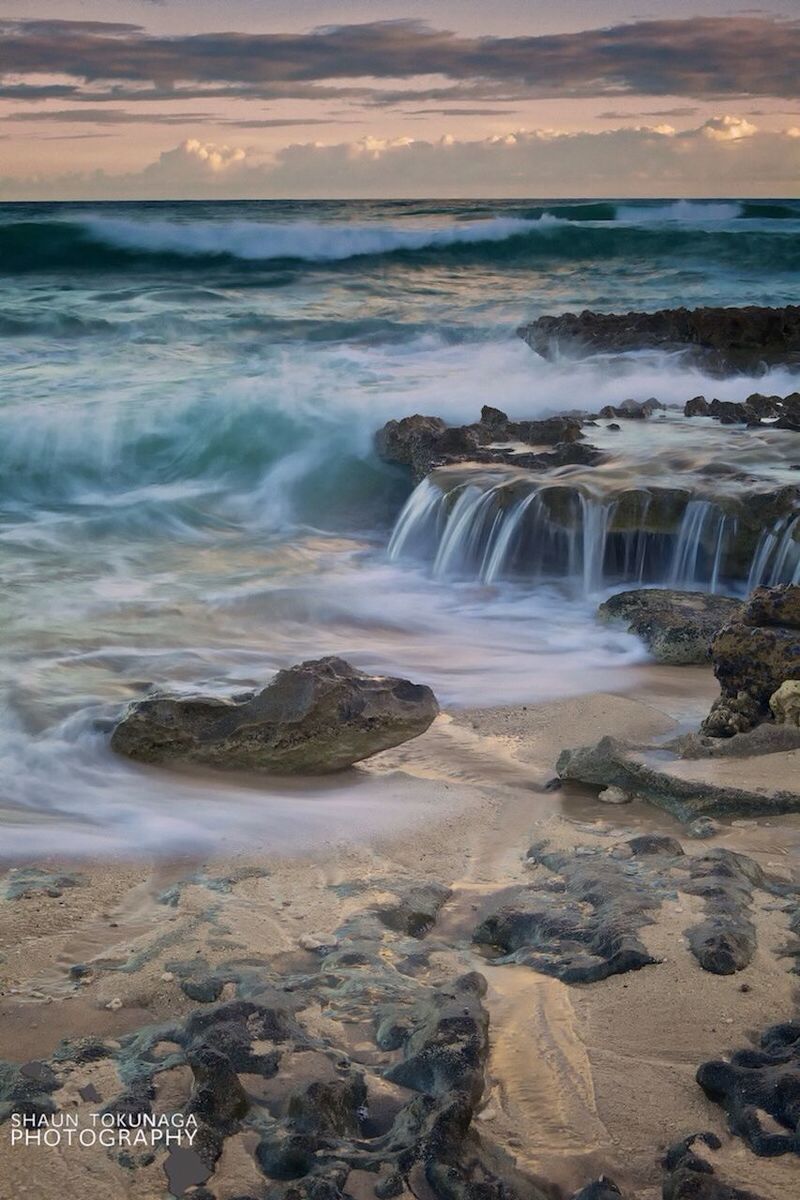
column 320, row 716
column 654, row 774
column 724, row 339
column 677, row 627
column 385, row 1091
column 752, row 657
column 781, row 411
column 423, row 443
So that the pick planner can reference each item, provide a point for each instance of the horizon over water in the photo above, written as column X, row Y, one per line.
column 189, row 496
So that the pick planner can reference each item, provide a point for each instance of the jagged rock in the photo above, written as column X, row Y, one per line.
column 760, row 1091
column 416, row 909
column 723, row 339
column 422, row 443
column 320, row 716
column 785, row 703
column 698, row 406
column 752, row 661
column 677, row 627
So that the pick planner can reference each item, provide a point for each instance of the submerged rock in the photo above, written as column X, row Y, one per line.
column 677, row 627
column 724, row 339
column 320, row 716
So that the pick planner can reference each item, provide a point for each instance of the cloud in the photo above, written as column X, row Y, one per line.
column 701, row 57
column 116, row 116
column 681, row 110
column 728, row 129
column 725, row 156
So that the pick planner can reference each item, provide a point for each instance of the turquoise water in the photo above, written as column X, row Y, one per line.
column 188, row 493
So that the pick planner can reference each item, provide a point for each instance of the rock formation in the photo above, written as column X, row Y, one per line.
column 320, row 716
column 422, row 443
column 677, row 627
column 753, row 657
column 723, row 339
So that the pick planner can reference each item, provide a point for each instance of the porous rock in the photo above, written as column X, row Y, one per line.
column 318, row 717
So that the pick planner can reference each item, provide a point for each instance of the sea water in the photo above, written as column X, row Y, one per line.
column 189, row 496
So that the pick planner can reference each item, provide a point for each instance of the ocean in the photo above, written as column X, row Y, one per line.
column 189, row 495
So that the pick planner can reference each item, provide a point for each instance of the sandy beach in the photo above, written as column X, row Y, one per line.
column 582, row 1080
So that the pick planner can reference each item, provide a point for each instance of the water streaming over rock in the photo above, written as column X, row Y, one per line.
column 513, row 530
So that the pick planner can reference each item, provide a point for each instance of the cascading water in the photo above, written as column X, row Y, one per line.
column 496, row 532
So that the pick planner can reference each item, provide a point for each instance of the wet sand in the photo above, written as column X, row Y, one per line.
column 582, row 1079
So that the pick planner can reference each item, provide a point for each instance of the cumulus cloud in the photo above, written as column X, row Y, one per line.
column 724, row 156
column 728, row 129
column 696, row 57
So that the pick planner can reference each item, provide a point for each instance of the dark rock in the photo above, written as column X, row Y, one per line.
column 601, row 1189
column 725, row 941
column 696, row 407
column 318, row 717
column 218, row 1097
column 728, row 413
column 416, row 910
column 448, row 1048
column 580, row 935
column 677, row 627
column 410, row 442
column 761, row 1083
column 423, row 443
column 689, row 1176
column 723, row 339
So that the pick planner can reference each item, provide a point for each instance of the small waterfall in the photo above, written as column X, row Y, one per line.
column 489, row 531
column 777, row 559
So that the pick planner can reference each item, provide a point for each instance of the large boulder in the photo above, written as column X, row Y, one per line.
column 677, row 627
column 752, row 660
column 318, row 717
column 724, row 339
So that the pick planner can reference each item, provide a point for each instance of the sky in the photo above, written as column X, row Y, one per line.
column 109, row 99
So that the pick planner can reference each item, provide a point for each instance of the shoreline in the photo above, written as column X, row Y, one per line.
column 578, row 1083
